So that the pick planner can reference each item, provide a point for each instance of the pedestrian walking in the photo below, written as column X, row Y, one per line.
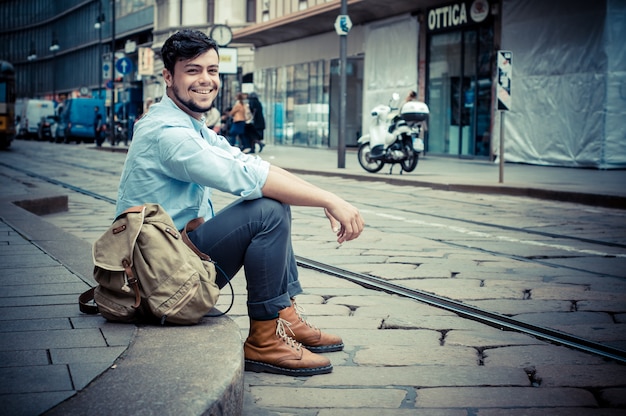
column 238, row 126
column 256, row 128
column 175, row 160
column 97, row 126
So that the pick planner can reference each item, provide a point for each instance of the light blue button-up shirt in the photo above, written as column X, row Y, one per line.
column 174, row 160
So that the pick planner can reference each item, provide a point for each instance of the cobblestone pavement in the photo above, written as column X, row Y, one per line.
column 402, row 357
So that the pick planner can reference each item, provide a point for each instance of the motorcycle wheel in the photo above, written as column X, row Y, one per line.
column 366, row 162
column 409, row 164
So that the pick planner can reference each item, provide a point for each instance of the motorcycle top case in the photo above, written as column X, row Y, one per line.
column 414, row 111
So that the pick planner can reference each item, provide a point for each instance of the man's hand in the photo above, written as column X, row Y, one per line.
column 345, row 221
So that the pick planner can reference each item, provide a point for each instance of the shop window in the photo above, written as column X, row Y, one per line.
column 296, row 103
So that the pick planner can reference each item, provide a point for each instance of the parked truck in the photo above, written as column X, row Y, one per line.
column 76, row 120
column 33, row 113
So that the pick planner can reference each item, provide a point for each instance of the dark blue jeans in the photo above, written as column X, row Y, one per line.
column 254, row 234
column 238, row 130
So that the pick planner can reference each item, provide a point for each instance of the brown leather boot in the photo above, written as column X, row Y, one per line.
column 310, row 336
column 270, row 349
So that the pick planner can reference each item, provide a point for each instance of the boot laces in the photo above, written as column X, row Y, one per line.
column 300, row 313
column 282, row 333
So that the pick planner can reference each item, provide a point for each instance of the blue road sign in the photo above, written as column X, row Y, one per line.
column 124, row 65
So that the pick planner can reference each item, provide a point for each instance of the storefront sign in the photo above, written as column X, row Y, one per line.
column 228, row 60
column 456, row 15
column 145, row 63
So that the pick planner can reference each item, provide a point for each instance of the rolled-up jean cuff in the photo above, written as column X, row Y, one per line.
column 269, row 308
column 294, row 289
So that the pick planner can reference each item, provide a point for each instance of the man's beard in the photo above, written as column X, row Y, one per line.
column 190, row 104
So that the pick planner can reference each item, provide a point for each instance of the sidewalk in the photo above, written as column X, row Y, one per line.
column 49, row 351
column 588, row 186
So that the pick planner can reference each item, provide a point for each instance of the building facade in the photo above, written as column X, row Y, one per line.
column 63, row 49
column 107, row 48
column 567, row 101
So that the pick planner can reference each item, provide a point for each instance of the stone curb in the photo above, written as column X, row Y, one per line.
column 165, row 370
column 598, row 200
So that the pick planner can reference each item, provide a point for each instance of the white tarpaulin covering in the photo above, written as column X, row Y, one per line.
column 568, row 84
column 390, row 63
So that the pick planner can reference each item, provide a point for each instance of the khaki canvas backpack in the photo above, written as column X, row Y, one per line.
column 145, row 269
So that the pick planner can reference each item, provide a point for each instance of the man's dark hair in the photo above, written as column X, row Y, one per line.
column 186, row 44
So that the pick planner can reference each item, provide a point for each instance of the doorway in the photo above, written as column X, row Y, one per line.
column 459, row 92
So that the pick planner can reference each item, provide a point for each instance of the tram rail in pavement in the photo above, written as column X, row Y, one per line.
column 435, row 172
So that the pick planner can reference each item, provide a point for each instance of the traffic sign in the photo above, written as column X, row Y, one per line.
column 124, row 65
column 106, row 70
column 505, row 72
column 343, row 24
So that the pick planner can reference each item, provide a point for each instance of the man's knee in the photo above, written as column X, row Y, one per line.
column 274, row 211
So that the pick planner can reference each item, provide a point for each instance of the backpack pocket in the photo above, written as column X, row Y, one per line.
column 184, row 298
column 113, row 307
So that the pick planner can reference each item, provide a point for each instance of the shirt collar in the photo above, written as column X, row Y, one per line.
column 197, row 124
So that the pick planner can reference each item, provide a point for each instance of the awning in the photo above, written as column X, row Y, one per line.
column 321, row 19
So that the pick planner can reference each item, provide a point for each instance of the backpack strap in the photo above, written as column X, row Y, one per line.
column 132, row 281
column 134, row 210
column 189, row 227
column 84, row 302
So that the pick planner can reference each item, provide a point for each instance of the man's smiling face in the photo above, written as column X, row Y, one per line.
column 195, row 83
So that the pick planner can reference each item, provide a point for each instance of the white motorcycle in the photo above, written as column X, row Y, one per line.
column 394, row 136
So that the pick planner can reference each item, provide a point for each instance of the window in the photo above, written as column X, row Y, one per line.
column 210, row 11
column 296, row 103
column 265, row 11
column 250, row 11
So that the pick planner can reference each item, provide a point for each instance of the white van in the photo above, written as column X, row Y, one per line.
column 32, row 114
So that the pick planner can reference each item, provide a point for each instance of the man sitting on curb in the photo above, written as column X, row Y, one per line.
column 175, row 160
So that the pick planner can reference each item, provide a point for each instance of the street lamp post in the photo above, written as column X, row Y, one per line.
column 344, row 27
column 98, row 26
column 54, row 47
column 112, row 72
column 32, row 55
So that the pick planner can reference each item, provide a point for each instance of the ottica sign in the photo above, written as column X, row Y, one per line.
column 458, row 15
